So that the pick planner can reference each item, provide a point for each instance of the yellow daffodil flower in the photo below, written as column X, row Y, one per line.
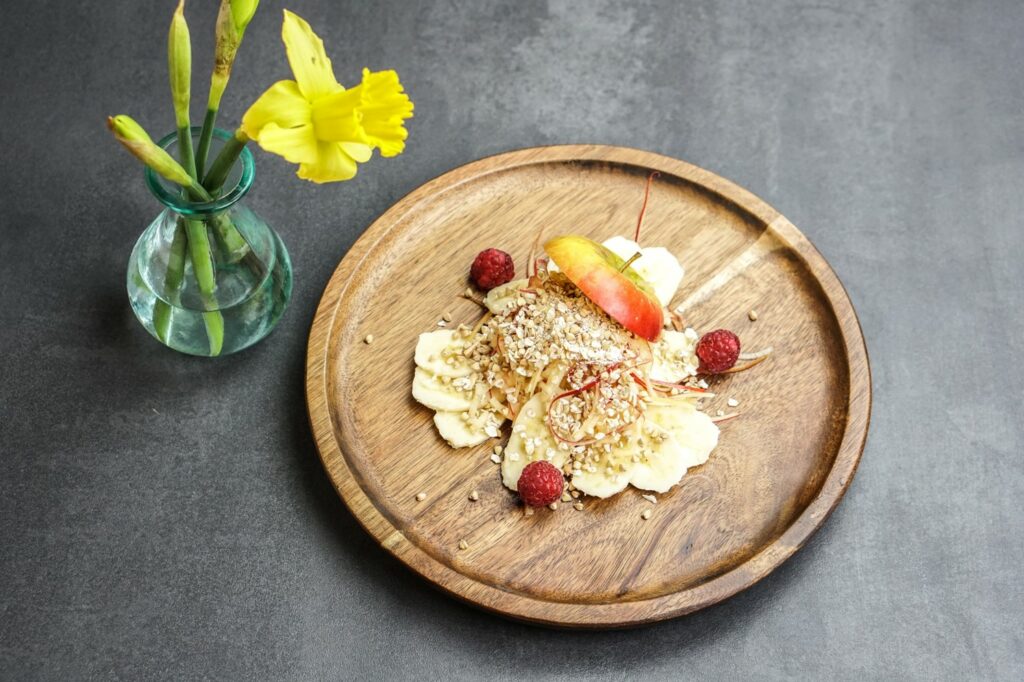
column 317, row 123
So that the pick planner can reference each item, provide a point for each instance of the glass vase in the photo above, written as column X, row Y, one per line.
column 208, row 278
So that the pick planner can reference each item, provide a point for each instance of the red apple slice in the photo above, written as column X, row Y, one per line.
column 599, row 273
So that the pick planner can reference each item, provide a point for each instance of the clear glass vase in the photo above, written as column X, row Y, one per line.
column 208, row 278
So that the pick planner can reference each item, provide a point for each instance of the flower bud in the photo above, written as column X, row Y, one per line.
column 242, row 12
column 137, row 141
column 232, row 20
column 179, row 64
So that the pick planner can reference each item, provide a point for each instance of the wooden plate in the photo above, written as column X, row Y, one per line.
column 777, row 473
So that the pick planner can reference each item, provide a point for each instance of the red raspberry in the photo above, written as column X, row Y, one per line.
column 540, row 484
column 718, row 351
column 492, row 267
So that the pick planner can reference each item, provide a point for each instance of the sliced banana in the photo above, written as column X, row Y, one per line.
column 430, row 351
column 674, row 356
column 690, row 427
column 464, row 433
column 677, row 436
column 663, row 270
column 500, row 297
column 657, row 265
column 701, row 436
column 661, row 465
column 600, row 483
column 429, row 390
column 622, row 247
column 610, row 475
column 673, row 436
column 531, row 440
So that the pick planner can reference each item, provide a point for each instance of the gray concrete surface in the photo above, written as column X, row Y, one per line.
column 163, row 517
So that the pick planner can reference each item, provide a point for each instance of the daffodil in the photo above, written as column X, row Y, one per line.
column 232, row 20
column 179, row 64
column 312, row 120
column 317, row 123
column 179, row 67
column 136, row 140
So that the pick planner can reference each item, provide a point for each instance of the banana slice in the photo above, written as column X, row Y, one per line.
column 499, row 298
column 463, row 433
column 674, row 356
column 662, row 462
column 657, row 265
column 690, row 427
column 531, row 440
column 701, row 436
column 429, row 390
column 611, row 475
column 600, row 483
column 663, row 270
column 430, row 353
column 685, row 438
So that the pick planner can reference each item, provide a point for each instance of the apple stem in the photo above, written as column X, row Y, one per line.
column 630, row 261
column 643, row 208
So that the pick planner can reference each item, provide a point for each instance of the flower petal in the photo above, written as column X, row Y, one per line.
column 336, row 117
column 359, row 152
column 332, row 165
column 297, row 145
column 384, row 108
column 309, row 62
column 282, row 104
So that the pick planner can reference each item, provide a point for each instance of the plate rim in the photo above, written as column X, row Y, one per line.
column 531, row 609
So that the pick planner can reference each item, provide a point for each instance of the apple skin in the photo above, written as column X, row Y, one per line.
column 625, row 296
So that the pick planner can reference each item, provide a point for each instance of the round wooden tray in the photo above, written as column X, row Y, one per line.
column 777, row 473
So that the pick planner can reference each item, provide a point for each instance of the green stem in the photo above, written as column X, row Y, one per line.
column 199, row 246
column 231, row 241
column 204, row 141
column 228, row 236
column 202, row 261
column 176, row 258
column 188, row 160
column 172, row 281
column 162, row 319
column 202, row 267
column 214, row 322
column 221, row 166
column 197, row 193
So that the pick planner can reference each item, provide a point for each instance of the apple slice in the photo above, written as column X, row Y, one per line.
column 608, row 281
column 659, row 268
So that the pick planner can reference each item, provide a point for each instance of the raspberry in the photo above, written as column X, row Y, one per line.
column 492, row 267
column 540, row 484
column 718, row 351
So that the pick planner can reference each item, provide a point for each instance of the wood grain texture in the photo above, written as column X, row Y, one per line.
column 777, row 473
